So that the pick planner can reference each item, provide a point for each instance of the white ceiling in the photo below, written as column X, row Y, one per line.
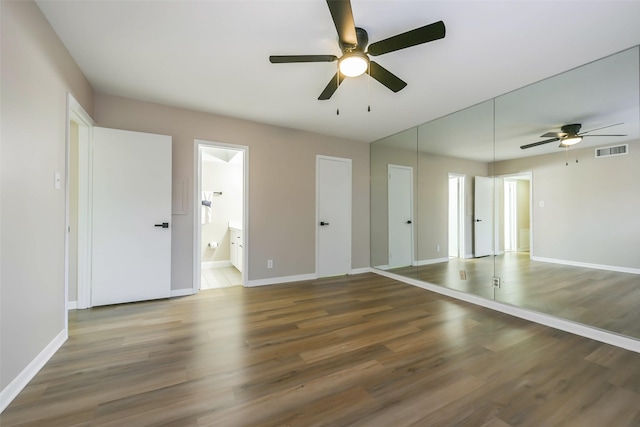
column 212, row 56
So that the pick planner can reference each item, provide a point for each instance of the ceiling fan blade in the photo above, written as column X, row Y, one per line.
column 535, row 144
column 343, row 20
column 331, row 87
column 386, row 77
column 603, row 127
column 285, row 59
column 415, row 37
column 553, row 135
column 585, row 136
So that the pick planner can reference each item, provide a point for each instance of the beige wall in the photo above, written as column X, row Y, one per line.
column 590, row 212
column 282, row 189
column 37, row 72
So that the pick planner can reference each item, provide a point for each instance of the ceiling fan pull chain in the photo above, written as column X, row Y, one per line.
column 338, row 96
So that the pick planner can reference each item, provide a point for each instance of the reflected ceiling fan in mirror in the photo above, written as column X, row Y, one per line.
column 569, row 135
column 356, row 50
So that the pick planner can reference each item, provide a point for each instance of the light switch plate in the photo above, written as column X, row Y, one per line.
column 57, row 180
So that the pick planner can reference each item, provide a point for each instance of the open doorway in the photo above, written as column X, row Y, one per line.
column 517, row 213
column 221, row 205
column 456, row 239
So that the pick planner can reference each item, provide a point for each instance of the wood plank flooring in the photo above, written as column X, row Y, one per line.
column 359, row 350
column 604, row 299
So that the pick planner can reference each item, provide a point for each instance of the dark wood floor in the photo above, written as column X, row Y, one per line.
column 604, row 299
column 361, row 350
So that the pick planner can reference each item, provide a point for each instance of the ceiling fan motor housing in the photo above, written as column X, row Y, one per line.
column 571, row 129
column 363, row 42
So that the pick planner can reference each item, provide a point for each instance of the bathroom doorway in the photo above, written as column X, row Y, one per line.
column 221, row 250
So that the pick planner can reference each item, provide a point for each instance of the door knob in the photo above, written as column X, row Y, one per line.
column 478, row 220
column 409, row 222
column 163, row 225
column 322, row 223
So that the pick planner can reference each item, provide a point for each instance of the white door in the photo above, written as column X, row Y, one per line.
column 333, row 226
column 400, row 199
column 131, row 200
column 483, row 216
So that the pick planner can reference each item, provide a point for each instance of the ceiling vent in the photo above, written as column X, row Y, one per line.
column 616, row 150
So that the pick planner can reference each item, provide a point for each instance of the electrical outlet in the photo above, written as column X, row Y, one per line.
column 438, row 248
column 269, row 263
column 496, row 282
column 463, row 275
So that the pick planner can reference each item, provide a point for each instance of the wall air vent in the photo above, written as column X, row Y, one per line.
column 616, row 150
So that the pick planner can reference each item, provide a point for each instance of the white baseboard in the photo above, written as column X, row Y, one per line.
column 181, row 292
column 431, row 261
column 20, row 382
column 72, row 305
column 532, row 316
column 298, row 278
column 382, row 267
column 277, row 280
column 588, row 265
column 215, row 264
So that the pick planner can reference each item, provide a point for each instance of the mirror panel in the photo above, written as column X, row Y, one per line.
column 568, row 221
column 454, row 152
column 564, row 229
column 393, row 242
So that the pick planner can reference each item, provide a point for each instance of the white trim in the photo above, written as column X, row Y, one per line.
column 360, row 270
column 279, row 280
column 29, row 372
column 431, row 261
column 588, row 265
column 215, row 264
column 72, row 305
column 461, row 214
column 181, row 292
column 532, row 316
column 317, row 228
column 76, row 113
column 381, row 267
column 197, row 190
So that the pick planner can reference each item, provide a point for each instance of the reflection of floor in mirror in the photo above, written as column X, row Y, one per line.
column 600, row 298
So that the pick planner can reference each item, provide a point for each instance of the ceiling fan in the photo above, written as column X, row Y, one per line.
column 356, row 50
column 568, row 135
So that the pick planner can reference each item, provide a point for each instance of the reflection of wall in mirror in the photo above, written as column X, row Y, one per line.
column 590, row 211
column 433, row 202
column 381, row 157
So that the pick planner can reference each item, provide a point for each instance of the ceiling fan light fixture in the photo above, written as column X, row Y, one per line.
column 572, row 140
column 353, row 64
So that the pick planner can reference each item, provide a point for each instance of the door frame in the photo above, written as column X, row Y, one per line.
column 198, row 144
column 77, row 114
column 390, row 166
column 460, row 214
column 491, row 215
column 527, row 176
column 348, row 161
